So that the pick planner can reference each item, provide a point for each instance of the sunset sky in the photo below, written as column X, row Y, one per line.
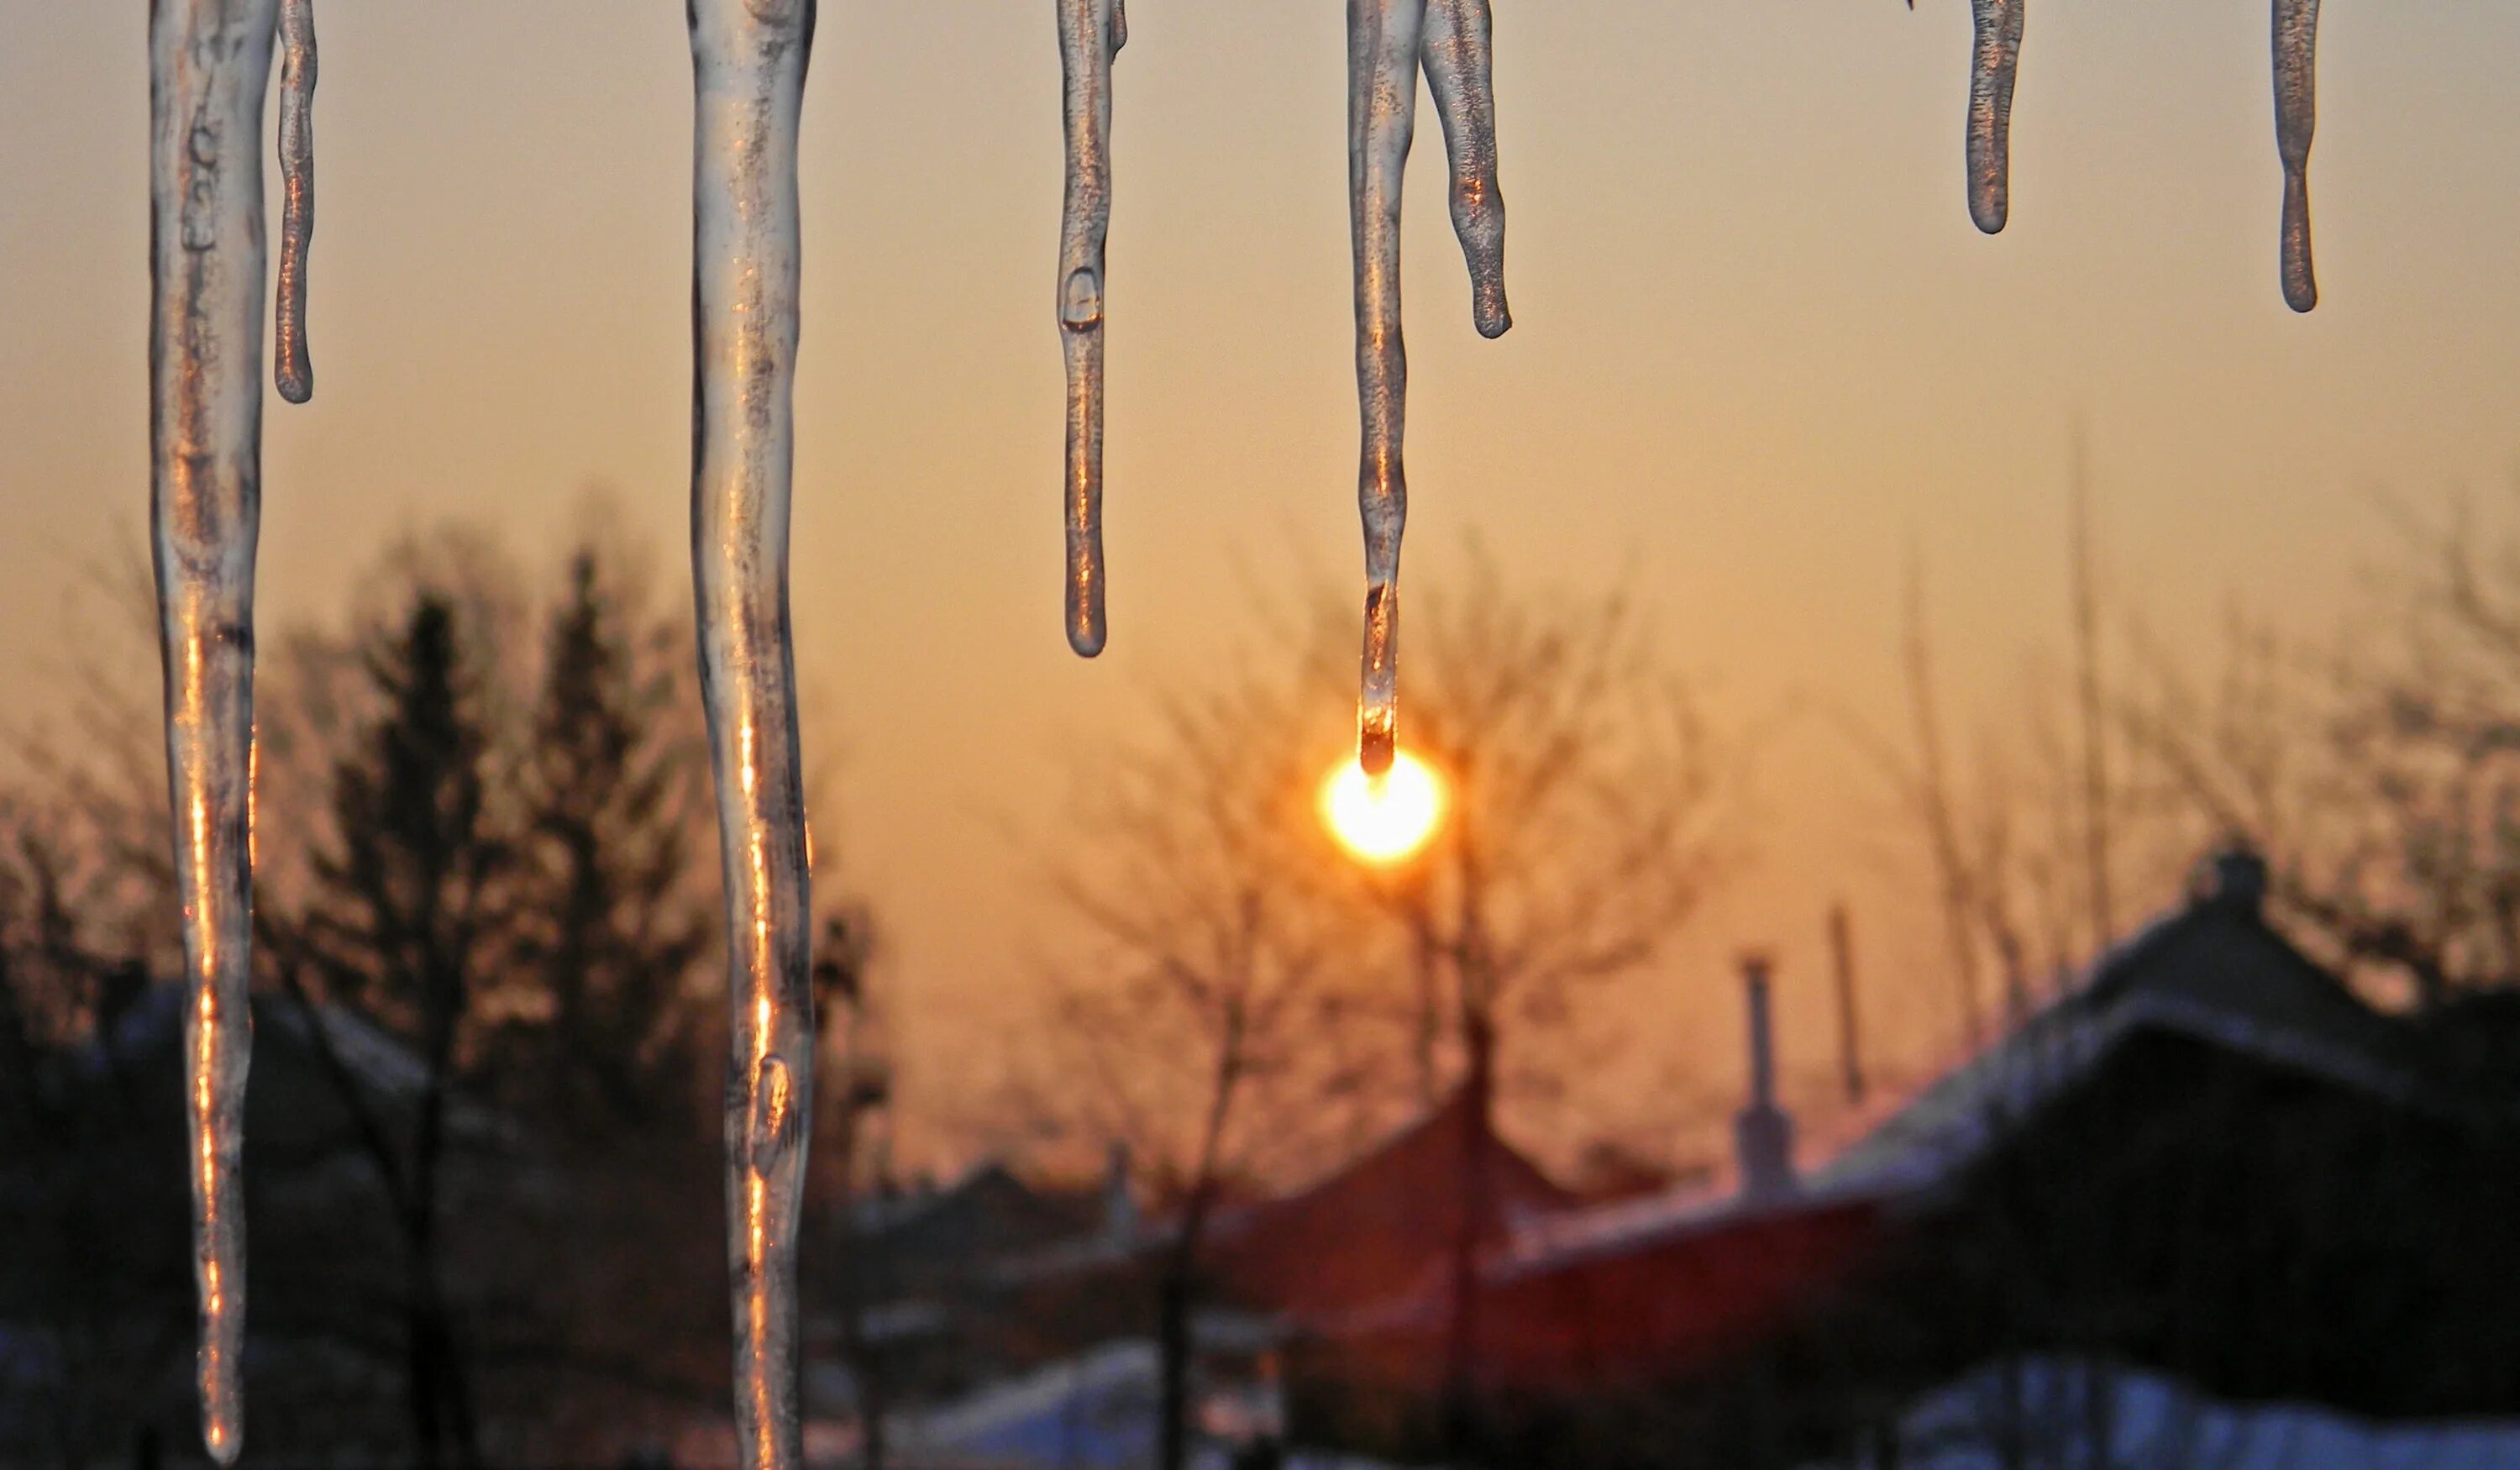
column 1758, row 348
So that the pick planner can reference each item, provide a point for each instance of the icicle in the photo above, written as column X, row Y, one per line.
column 296, row 375
column 1388, row 40
column 2296, row 30
column 749, row 75
column 1381, row 117
column 209, row 61
column 1993, row 63
column 1459, row 72
column 1091, row 33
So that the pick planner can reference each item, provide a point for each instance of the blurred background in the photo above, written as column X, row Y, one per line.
column 2083, row 690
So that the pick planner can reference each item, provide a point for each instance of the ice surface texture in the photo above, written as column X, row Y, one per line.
column 294, row 375
column 1387, row 42
column 1091, row 33
column 2296, row 37
column 1995, row 58
column 748, row 79
column 209, row 61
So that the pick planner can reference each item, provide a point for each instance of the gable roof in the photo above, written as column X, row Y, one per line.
column 1371, row 1229
column 2213, row 971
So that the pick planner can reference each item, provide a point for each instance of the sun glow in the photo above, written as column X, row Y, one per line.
column 1383, row 818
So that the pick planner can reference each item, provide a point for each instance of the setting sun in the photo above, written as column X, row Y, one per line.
column 1386, row 818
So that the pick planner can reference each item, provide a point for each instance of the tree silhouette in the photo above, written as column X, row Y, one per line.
column 407, row 924
column 609, row 926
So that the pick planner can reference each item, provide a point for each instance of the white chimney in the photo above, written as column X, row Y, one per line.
column 1763, row 1135
column 1119, row 1206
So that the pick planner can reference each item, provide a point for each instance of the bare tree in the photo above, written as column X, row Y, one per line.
column 1212, row 970
column 2380, row 771
column 1585, row 824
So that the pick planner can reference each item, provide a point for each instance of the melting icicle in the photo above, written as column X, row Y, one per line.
column 1387, row 39
column 1382, row 118
column 2296, row 30
column 296, row 375
column 748, row 80
column 210, row 63
column 1993, row 61
column 1460, row 72
column 1091, row 33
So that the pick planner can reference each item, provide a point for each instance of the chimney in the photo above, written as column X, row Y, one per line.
column 1119, row 1206
column 1850, row 1039
column 1763, row 1135
column 2235, row 879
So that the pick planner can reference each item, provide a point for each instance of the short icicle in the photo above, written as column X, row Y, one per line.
column 1091, row 33
column 2296, row 37
column 1381, row 116
column 294, row 375
column 210, row 63
column 748, row 71
column 1460, row 72
column 1993, row 61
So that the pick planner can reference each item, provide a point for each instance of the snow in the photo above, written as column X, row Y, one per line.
column 2158, row 1422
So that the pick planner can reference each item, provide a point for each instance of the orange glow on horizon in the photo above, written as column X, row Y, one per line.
column 1385, row 818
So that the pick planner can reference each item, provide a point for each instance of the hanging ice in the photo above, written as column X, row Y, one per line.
column 1091, row 33
column 1460, row 72
column 209, row 61
column 2296, row 37
column 748, row 80
column 1994, row 60
column 1387, row 39
column 294, row 374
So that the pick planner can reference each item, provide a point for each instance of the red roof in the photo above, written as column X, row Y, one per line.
column 1374, row 1231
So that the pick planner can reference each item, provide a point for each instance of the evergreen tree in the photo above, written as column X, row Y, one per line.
column 407, row 924
column 611, row 926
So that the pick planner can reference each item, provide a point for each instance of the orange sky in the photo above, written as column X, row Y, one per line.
column 1757, row 347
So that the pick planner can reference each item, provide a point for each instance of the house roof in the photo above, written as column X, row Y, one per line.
column 2213, row 971
column 1667, row 1279
column 1373, row 1228
column 1367, row 1230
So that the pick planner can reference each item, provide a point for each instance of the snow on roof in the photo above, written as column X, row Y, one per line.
column 1093, row 1410
column 1556, row 1241
column 2212, row 971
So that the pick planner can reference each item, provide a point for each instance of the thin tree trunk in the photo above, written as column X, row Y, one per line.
column 2087, row 659
column 1173, row 1351
column 1176, row 1292
column 1934, row 796
column 440, row 1399
column 419, row 1376
column 1462, row 1426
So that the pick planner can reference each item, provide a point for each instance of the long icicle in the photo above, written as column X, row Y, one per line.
column 1460, row 72
column 1382, row 118
column 1091, row 33
column 1995, row 57
column 2296, row 37
column 294, row 375
column 210, row 63
column 748, row 81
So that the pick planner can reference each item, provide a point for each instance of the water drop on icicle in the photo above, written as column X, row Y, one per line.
column 748, row 79
column 1995, row 57
column 210, row 63
column 1091, row 33
column 2296, row 37
column 295, row 376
